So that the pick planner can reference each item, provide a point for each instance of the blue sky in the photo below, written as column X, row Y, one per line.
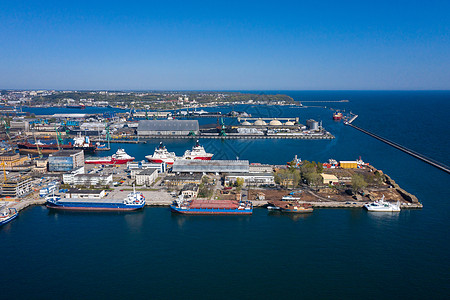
column 252, row 45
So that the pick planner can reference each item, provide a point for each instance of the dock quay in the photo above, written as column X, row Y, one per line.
column 413, row 153
column 120, row 141
column 240, row 136
column 20, row 205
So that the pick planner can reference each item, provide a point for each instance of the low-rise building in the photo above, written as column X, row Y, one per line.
column 147, row 177
column 92, row 179
column 260, row 168
column 255, row 179
column 85, row 194
column 329, row 179
column 190, row 190
column 12, row 159
column 16, row 187
column 182, row 179
column 348, row 164
column 69, row 178
column 210, row 166
column 167, row 127
column 65, row 160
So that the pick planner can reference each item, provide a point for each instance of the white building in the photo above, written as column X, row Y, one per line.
column 68, row 178
column 254, row 179
column 92, row 179
column 86, row 194
column 147, row 176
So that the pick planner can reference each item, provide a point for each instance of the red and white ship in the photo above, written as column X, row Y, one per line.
column 197, row 152
column 121, row 157
column 162, row 155
column 337, row 116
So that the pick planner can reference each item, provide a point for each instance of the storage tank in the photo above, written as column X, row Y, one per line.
column 275, row 122
column 260, row 122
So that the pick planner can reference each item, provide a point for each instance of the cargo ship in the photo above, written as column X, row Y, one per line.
column 162, row 155
column 337, row 116
column 7, row 215
column 197, row 152
column 81, row 106
column 119, row 158
column 79, row 143
column 211, row 207
column 133, row 201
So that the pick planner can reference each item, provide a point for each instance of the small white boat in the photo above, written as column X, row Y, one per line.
column 382, row 206
column 273, row 207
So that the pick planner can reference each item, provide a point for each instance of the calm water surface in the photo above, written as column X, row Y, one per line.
column 328, row 254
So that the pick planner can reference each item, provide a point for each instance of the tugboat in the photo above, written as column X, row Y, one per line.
column 121, row 157
column 162, row 155
column 290, row 204
column 382, row 206
column 197, row 152
column 7, row 215
column 133, row 201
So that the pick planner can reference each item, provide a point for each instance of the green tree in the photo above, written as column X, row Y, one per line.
column 240, row 182
column 358, row 183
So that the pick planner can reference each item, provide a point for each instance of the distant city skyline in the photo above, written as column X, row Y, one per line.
column 234, row 45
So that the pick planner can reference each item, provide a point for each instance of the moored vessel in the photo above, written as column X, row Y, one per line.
column 79, row 143
column 197, row 152
column 382, row 206
column 133, row 201
column 337, row 116
column 7, row 215
column 119, row 158
column 290, row 204
column 211, row 207
column 161, row 155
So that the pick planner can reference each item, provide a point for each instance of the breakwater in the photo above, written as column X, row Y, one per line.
column 413, row 153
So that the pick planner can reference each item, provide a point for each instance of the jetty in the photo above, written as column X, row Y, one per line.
column 413, row 153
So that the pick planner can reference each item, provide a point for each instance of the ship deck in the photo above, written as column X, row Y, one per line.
column 100, row 201
column 214, row 204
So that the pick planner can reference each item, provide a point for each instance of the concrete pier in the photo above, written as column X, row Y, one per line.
column 415, row 154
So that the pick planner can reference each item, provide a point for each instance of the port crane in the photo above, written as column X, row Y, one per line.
column 7, row 127
column 37, row 145
column 4, row 171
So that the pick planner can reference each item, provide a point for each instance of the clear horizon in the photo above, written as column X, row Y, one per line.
column 232, row 46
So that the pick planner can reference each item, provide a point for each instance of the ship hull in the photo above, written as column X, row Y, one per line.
column 158, row 161
column 9, row 219
column 297, row 211
column 199, row 157
column 52, row 148
column 96, row 207
column 200, row 211
column 108, row 162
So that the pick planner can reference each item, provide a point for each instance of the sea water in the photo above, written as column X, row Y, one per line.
column 331, row 253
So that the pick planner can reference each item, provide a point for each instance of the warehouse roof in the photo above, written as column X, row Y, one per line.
column 148, row 171
column 165, row 125
column 249, row 174
column 211, row 166
column 75, row 116
column 92, row 192
column 64, row 153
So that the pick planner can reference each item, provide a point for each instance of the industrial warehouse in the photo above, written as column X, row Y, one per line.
column 167, row 127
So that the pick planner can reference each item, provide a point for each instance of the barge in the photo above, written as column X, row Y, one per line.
column 211, row 207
